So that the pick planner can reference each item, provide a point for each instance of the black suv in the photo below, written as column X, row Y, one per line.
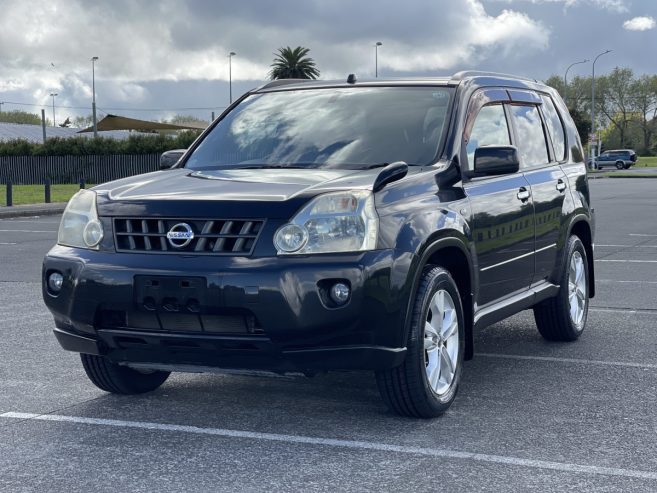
column 339, row 225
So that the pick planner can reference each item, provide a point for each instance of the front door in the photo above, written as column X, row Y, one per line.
column 503, row 215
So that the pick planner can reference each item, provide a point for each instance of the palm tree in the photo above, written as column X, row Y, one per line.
column 293, row 64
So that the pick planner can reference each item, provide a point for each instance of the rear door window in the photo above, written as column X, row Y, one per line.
column 531, row 143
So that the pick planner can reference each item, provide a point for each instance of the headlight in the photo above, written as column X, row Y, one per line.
column 80, row 226
column 330, row 223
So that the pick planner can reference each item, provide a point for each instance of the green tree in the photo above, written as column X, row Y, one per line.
column 293, row 64
column 644, row 94
column 188, row 120
column 18, row 116
column 616, row 101
column 583, row 123
column 83, row 121
column 578, row 99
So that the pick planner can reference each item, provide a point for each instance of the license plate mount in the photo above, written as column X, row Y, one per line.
column 169, row 294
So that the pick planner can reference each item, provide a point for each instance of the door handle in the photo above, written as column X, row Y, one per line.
column 523, row 194
column 561, row 186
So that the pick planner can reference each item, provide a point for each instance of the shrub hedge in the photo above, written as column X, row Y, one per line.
column 83, row 146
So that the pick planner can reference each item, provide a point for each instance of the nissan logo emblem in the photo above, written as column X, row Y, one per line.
column 180, row 235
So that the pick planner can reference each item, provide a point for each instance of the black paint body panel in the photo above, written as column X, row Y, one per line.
column 507, row 251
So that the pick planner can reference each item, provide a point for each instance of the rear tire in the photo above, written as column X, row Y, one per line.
column 117, row 379
column 426, row 383
column 563, row 317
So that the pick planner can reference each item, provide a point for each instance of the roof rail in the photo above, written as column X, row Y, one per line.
column 281, row 82
column 459, row 76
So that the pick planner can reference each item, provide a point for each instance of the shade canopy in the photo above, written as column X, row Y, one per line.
column 115, row 122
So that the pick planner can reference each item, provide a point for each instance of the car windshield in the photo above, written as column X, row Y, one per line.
column 349, row 128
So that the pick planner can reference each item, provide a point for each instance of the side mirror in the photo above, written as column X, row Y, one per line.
column 496, row 160
column 169, row 158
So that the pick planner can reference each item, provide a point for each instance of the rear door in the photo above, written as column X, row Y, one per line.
column 502, row 210
column 540, row 137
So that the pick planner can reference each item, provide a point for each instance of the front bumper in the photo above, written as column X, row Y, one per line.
column 288, row 325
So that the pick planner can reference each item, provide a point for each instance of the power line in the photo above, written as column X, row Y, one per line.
column 120, row 109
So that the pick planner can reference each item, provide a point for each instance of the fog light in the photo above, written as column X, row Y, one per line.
column 340, row 293
column 55, row 282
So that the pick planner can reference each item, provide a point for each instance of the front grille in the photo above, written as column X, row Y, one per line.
column 211, row 236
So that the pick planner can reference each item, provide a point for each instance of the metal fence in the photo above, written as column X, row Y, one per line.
column 33, row 170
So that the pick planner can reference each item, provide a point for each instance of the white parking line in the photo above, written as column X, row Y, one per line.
column 30, row 221
column 628, row 261
column 624, row 364
column 627, row 246
column 641, row 234
column 634, row 282
column 349, row 444
column 5, row 243
column 632, row 311
column 27, row 231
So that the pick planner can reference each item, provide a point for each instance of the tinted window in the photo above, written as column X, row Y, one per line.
column 328, row 127
column 555, row 126
column 532, row 147
column 490, row 128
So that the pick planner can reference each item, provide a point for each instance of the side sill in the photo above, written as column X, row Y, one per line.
column 514, row 304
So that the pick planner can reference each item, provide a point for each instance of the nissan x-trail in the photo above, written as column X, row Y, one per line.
column 334, row 225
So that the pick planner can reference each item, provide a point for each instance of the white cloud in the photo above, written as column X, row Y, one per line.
column 46, row 45
column 639, row 24
column 611, row 5
column 478, row 34
column 175, row 41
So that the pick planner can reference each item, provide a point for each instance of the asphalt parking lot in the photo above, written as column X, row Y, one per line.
column 530, row 415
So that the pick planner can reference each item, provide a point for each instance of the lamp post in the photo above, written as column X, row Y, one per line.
column 230, row 76
column 565, row 80
column 93, row 91
column 376, row 58
column 52, row 95
column 593, row 105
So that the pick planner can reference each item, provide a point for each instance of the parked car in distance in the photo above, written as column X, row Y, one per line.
column 620, row 158
column 335, row 225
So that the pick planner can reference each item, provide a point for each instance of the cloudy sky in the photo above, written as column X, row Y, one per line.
column 166, row 57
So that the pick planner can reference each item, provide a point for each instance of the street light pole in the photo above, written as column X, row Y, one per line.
column 93, row 91
column 230, row 76
column 565, row 80
column 53, row 94
column 592, row 149
column 376, row 58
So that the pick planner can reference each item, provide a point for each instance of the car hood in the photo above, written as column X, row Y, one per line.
column 238, row 193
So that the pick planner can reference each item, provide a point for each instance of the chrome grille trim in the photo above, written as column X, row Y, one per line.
column 234, row 237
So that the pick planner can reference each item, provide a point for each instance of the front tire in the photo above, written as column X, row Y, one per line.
column 563, row 317
column 426, row 383
column 118, row 379
column 620, row 165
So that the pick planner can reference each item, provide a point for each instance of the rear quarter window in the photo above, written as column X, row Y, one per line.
column 555, row 128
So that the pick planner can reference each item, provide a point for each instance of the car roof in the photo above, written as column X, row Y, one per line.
column 473, row 78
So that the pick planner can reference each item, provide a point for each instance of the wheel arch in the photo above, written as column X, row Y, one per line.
column 450, row 253
column 581, row 227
